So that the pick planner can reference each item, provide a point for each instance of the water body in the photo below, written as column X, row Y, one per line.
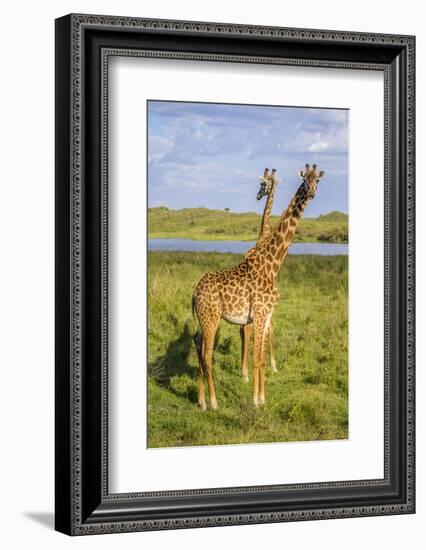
column 239, row 247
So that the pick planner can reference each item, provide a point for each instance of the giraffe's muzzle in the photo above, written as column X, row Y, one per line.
column 262, row 191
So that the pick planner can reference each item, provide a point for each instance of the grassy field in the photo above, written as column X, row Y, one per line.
column 307, row 399
column 205, row 224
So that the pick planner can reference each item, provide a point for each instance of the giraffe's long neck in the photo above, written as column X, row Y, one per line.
column 275, row 249
column 265, row 228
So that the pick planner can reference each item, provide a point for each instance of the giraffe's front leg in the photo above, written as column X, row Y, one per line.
column 245, row 333
column 259, row 353
column 262, row 369
column 271, row 348
column 266, row 330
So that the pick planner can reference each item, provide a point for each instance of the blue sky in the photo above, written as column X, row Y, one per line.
column 211, row 155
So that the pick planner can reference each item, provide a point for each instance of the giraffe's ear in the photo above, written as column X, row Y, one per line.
column 300, row 173
column 321, row 174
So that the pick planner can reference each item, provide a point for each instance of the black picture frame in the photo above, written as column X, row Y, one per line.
column 83, row 45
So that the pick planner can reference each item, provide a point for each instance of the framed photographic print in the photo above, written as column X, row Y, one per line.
column 234, row 274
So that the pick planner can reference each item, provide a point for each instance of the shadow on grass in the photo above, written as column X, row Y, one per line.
column 175, row 363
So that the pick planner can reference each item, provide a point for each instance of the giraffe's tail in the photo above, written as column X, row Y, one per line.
column 194, row 309
column 193, row 306
column 194, row 312
column 197, row 327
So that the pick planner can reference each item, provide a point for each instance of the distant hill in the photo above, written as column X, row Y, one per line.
column 206, row 224
column 334, row 216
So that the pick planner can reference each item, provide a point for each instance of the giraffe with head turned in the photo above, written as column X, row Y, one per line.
column 247, row 293
column 268, row 184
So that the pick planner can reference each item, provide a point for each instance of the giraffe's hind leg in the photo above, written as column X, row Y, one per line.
column 207, row 360
column 201, row 387
column 206, row 305
column 208, row 325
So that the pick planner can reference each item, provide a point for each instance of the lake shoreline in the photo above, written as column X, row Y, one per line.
column 242, row 238
column 240, row 247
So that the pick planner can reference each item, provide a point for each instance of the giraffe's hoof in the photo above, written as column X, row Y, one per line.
column 245, row 377
column 256, row 401
column 261, row 400
column 273, row 366
column 202, row 405
column 214, row 404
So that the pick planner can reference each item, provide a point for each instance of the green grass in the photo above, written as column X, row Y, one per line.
column 307, row 399
column 205, row 224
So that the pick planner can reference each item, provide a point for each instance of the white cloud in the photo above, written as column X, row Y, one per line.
column 158, row 147
column 202, row 154
column 318, row 146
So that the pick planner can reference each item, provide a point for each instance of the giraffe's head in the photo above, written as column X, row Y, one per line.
column 311, row 179
column 267, row 181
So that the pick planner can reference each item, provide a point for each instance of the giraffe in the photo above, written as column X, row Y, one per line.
column 247, row 293
column 268, row 183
